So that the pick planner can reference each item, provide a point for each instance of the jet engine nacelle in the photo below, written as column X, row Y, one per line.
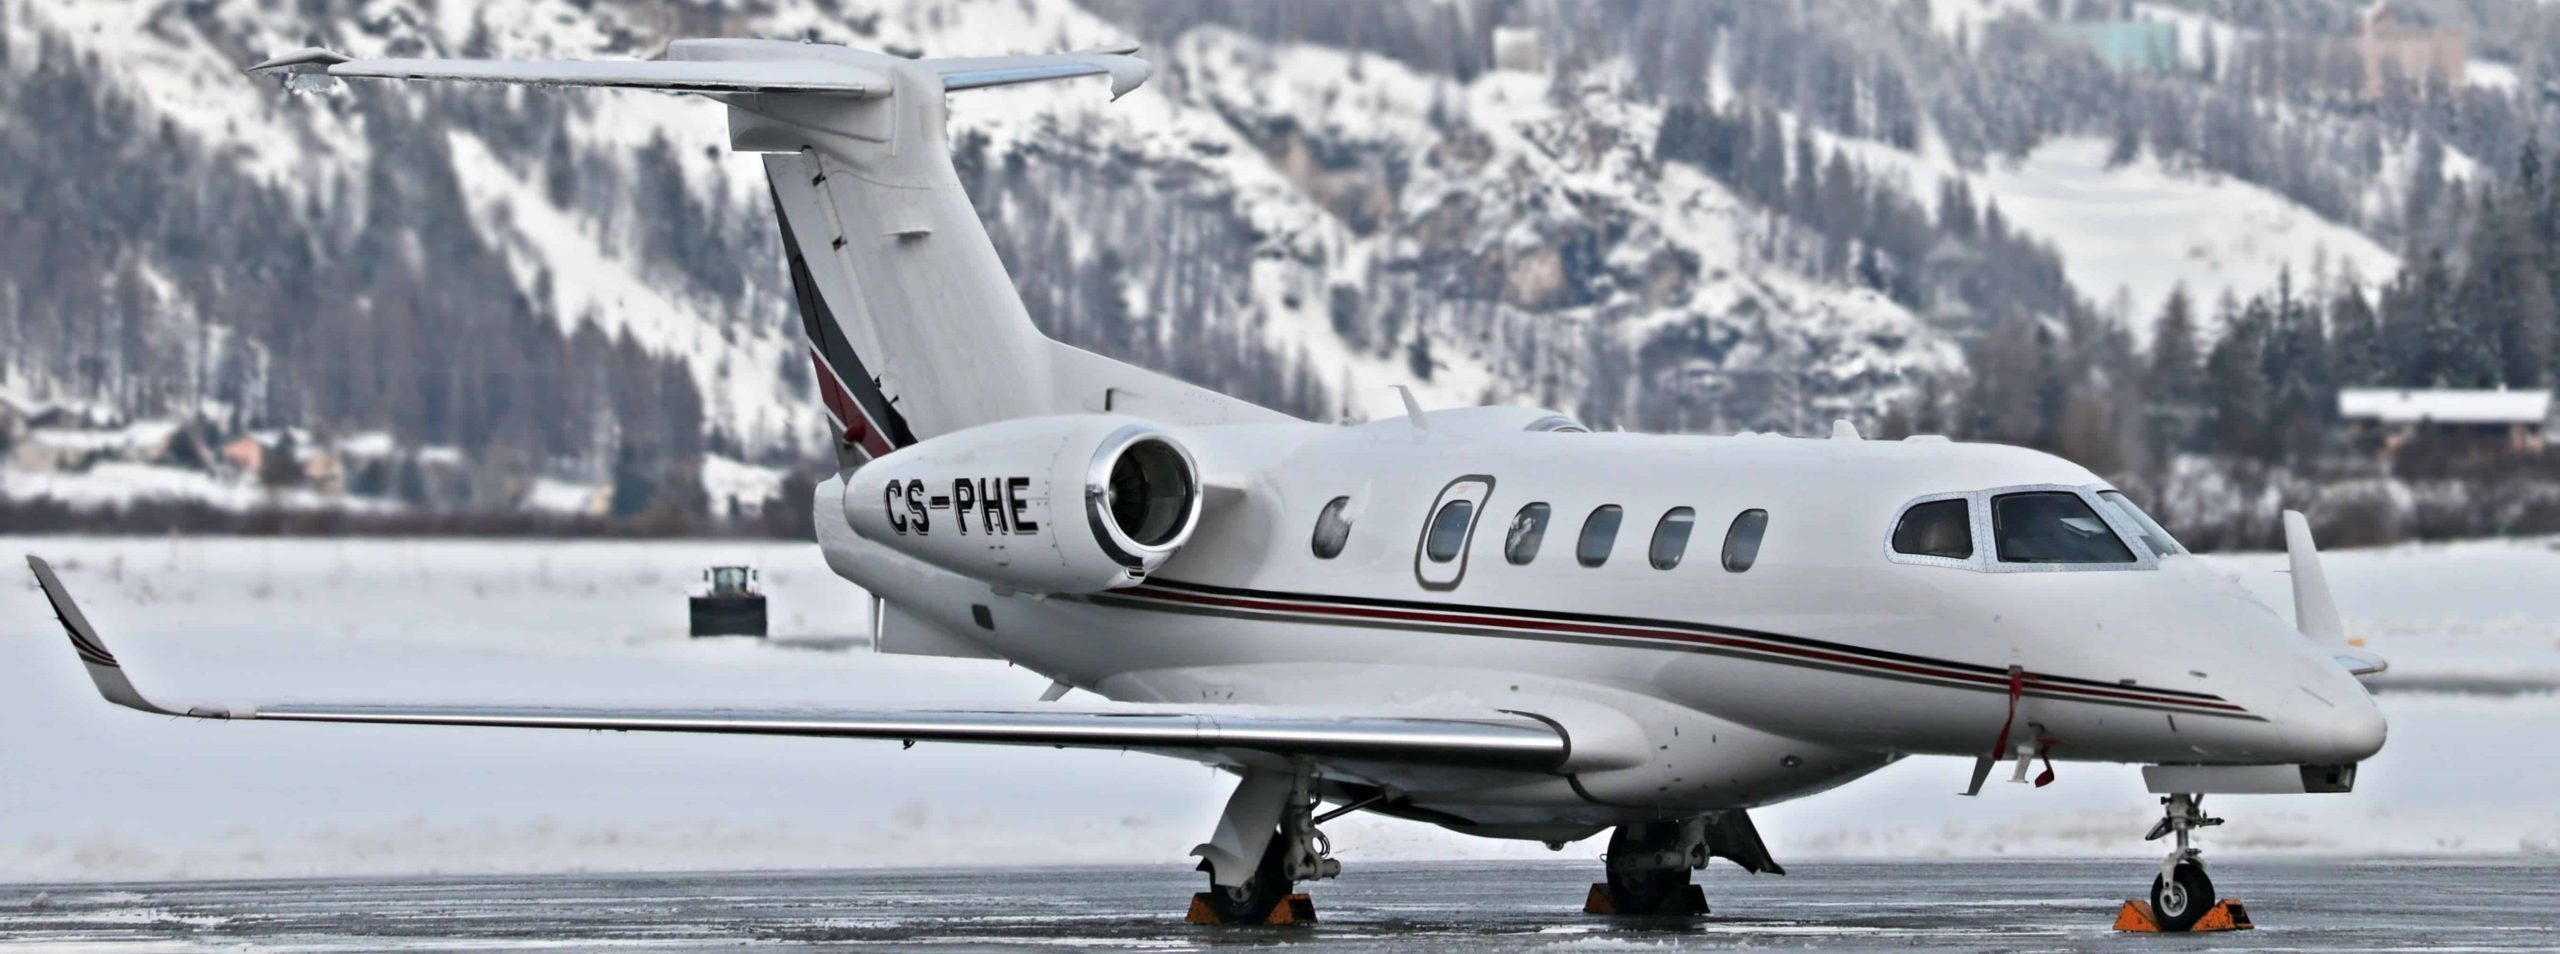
column 1069, row 504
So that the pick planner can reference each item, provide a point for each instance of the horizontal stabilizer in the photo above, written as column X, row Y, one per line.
column 681, row 76
column 728, row 67
column 1481, row 739
column 1126, row 71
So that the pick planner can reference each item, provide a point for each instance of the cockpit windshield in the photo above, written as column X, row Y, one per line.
column 2153, row 534
column 2053, row 526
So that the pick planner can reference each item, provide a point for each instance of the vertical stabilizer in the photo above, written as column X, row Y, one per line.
column 915, row 327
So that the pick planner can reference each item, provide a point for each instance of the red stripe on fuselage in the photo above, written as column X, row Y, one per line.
column 1490, row 620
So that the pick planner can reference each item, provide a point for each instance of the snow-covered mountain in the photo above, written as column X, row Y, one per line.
column 1471, row 198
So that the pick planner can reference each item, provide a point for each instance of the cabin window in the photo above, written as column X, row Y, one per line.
column 2153, row 534
column 1939, row 528
column 1671, row 538
column 1599, row 534
column 1449, row 531
column 1528, row 529
column 1333, row 529
column 1742, row 540
column 2052, row 526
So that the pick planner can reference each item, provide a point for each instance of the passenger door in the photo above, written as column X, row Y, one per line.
column 1448, row 532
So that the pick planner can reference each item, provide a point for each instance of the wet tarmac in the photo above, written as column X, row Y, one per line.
column 1476, row 906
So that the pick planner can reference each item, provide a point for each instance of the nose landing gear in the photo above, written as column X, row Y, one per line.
column 2181, row 893
column 2182, row 897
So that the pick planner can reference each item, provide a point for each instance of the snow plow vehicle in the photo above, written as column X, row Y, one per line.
column 734, row 607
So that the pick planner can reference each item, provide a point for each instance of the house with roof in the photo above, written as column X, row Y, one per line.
column 2471, row 422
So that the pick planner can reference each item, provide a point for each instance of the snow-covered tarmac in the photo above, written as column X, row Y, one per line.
column 1395, row 907
column 95, row 793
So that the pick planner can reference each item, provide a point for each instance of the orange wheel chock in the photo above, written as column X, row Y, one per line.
column 1295, row 909
column 2226, row 916
column 1691, row 903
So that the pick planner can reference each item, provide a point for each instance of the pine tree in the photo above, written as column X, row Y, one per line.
column 2174, row 382
column 2301, row 377
column 2236, row 389
column 2356, row 335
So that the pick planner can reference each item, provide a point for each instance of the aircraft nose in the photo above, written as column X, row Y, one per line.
column 2334, row 731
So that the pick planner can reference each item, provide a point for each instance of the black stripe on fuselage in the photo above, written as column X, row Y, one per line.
column 818, row 322
column 1588, row 628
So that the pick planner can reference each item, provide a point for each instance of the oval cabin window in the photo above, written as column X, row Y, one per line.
column 1671, row 538
column 1528, row 529
column 1332, row 529
column 1599, row 534
column 1742, row 540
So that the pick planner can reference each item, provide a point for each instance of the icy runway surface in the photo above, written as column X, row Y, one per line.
column 1465, row 906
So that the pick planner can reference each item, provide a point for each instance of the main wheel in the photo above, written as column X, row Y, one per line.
column 2179, row 900
column 1648, row 891
column 1251, row 902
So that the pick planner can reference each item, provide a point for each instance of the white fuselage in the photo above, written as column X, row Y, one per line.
column 1712, row 688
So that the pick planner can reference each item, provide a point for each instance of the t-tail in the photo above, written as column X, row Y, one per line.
column 914, row 329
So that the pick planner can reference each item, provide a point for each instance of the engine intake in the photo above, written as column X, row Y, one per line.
column 1068, row 504
column 1142, row 496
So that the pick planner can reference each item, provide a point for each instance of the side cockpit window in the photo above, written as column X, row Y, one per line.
column 2153, row 534
column 2053, row 526
column 1939, row 528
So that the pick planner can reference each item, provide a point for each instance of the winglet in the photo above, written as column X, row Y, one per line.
column 2314, row 611
column 101, row 664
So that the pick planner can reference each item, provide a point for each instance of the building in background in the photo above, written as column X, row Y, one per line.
column 2470, row 423
column 2392, row 47
column 2126, row 46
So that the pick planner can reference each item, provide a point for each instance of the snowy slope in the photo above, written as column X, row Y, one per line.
column 2143, row 229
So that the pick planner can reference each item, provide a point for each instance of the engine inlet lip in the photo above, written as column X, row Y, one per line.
column 1117, row 544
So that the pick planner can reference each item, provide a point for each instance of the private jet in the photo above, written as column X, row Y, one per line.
column 1491, row 619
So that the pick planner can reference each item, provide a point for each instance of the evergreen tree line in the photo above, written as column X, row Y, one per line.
column 2248, row 393
column 1960, row 258
column 370, row 304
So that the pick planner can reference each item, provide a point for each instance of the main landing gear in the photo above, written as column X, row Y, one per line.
column 1650, row 863
column 2182, row 897
column 1254, row 880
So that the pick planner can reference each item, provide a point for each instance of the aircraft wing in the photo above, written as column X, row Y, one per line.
column 1487, row 738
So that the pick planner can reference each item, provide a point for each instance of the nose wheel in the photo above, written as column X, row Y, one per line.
column 2182, row 896
column 2181, row 893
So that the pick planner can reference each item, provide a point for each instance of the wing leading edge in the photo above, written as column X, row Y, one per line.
column 1490, row 739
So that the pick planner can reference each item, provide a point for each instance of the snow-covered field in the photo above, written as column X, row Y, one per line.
column 94, row 792
column 2143, row 230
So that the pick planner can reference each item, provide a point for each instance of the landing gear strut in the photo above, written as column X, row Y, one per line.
column 2181, row 893
column 1279, row 855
